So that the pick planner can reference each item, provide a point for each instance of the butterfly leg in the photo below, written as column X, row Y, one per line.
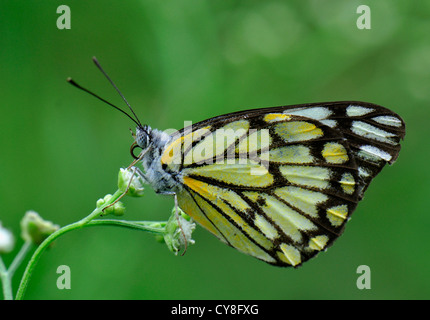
column 140, row 174
column 135, row 171
column 166, row 193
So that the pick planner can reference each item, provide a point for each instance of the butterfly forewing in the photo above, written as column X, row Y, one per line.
column 280, row 183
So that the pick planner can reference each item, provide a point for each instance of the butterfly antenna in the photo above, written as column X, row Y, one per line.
column 72, row 82
column 116, row 88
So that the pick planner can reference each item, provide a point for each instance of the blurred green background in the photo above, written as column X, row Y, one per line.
column 192, row 60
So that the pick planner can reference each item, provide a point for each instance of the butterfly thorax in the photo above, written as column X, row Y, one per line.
column 155, row 141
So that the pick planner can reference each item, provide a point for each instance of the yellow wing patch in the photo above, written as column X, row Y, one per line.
column 266, row 227
column 218, row 141
column 318, row 243
column 189, row 206
column 238, row 237
column 247, row 174
column 348, row 183
column 290, row 154
column 290, row 255
column 275, row 117
column 289, row 220
column 217, row 194
column 298, row 131
column 231, row 233
column 173, row 153
column 334, row 152
column 316, row 177
column 305, row 200
column 337, row 214
column 256, row 141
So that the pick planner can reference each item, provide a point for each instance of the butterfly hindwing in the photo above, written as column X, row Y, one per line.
column 280, row 183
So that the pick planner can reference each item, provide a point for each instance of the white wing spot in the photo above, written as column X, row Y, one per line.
column 376, row 152
column 371, row 132
column 329, row 122
column 357, row 111
column 363, row 172
column 388, row 120
column 317, row 113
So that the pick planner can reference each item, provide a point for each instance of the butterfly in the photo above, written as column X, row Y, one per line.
column 279, row 183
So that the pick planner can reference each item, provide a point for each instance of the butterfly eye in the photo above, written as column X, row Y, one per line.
column 134, row 146
column 142, row 136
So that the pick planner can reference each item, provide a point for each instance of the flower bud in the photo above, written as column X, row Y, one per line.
column 35, row 229
column 7, row 241
column 127, row 178
column 178, row 231
column 118, row 209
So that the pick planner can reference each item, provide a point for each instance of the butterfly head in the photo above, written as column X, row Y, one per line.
column 141, row 139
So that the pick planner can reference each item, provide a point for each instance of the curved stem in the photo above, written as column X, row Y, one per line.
column 149, row 226
column 41, row 248
column 6, row 281
column 36, row 255
column 19, row 257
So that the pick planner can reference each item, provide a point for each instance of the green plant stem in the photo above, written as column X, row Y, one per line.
column 157, row 227
column 41, row 248
column 6, row 275
column 6, row 281
column 19, row 257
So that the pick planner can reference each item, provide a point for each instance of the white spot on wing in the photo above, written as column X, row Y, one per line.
column 357, row 111
column 388, row 120
column 371, row 132
column 329, row 122
column 316, row 113
column 374, row 151
column 363, row 172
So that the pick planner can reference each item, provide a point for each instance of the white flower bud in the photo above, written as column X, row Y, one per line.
column 35, row 229
column 178, row 231
column 7, row 241
column 127, row 178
